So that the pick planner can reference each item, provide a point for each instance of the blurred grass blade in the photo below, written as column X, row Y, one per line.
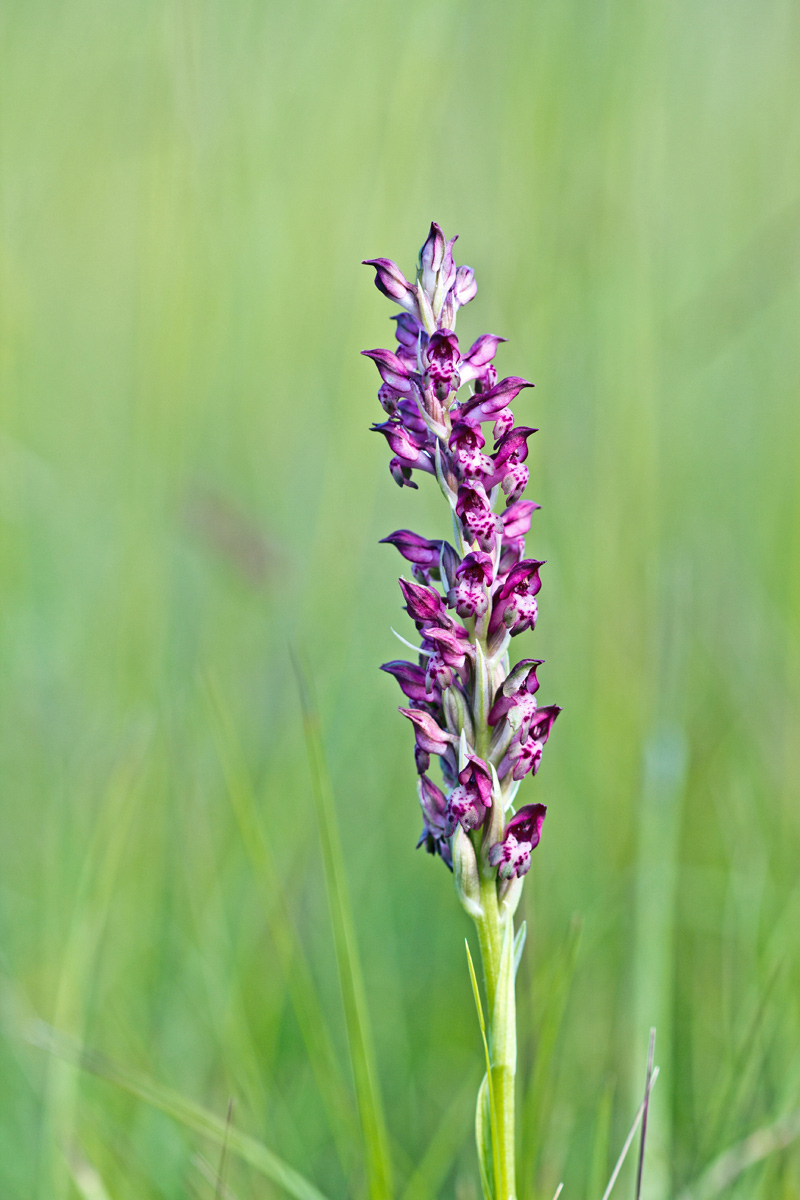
column 640, row 1168
column 88, row 920
column 220, row 1189
column 87, row 1181
column 432, row 1169
column 632, row 1134
column 743, row 1064
column 541, row 1075
column 559, row 1190
column 480, row 1131
column 730, row 1165
column 359, row 1033
column 186, row 1112
column 311, row 1018
column 211, row 1177
column 598, row 1169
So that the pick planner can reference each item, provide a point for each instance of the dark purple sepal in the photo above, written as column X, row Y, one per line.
column 434, row 807
column 409, row 415
column 478, row 357
column 405, row 446
column 411, row 679
column 517, row 519
column 391, row 281
column 393, row 370
column 408, row 331
column 544, row 722
column 448, row 565
column 415, row 549
column 430, row 738
column 523, row 578
column 401, row 474
column 513, row 446
column 485, row 406
column 433, row 803
column 423, row 604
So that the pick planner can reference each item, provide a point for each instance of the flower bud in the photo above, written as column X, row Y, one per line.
column 466, row 287
column 457, row 713
column 390, row 280
column 465, row 874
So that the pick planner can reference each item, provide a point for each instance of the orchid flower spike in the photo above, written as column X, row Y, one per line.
column 440, row 401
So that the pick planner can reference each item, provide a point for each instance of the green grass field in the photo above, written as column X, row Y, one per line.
column 188, row 488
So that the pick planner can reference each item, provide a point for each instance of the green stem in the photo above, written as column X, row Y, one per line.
column 501, row 1031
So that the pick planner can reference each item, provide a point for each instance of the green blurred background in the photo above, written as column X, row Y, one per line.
column 188, row 487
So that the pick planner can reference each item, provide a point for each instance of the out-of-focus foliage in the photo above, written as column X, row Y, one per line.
column 188, row 487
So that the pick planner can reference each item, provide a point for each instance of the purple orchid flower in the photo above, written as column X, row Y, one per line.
column 434, row 835
column 479, row 521
column 442, row 358
column 469, row 596
column 522, row 834
column 525, row 752
column 471, row 798
column 466, row 443
column 515, row 604
column 516, row 698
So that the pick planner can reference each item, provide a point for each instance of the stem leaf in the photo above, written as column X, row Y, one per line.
column 495, row 1144
column 519, row 944
column 483, row 1136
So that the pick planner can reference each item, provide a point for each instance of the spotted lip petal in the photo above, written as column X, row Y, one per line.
column 471, row 798
column 512, row 856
